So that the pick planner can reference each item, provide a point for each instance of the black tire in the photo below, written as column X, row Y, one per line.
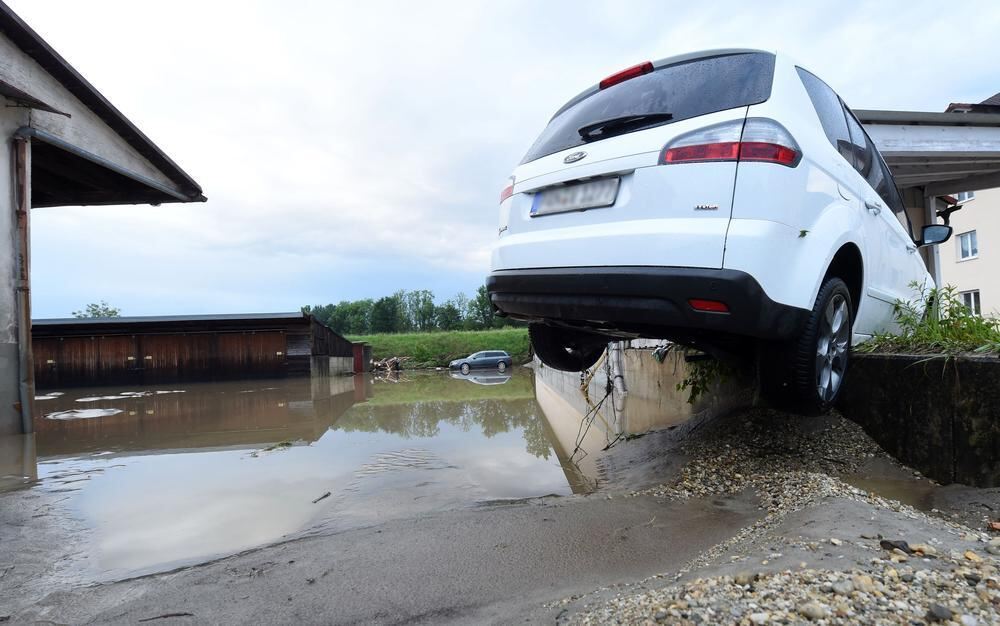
column 565, row 349
column 806, row 374
column 501, row 366
column 465, row 368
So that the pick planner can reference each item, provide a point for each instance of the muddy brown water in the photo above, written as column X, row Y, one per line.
column 162, row 477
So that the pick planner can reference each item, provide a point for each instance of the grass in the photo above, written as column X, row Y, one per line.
column 938, row 323
column 437, row 349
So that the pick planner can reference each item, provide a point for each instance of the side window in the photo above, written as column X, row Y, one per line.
column 831, row 114
column 859, row 145
column 891, row 196
column 872, row 166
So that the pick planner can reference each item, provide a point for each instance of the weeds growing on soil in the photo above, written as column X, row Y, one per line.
column 938, row 322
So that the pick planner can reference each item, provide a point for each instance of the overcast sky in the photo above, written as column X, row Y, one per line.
column 352, row 149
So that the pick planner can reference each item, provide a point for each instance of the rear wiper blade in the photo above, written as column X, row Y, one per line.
column 618, row 125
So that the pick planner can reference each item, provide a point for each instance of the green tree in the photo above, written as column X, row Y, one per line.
column 386, row 316
column 419, row 306
column 98, row 309
column 448, row 316
column 480, row 313
column 354, row 317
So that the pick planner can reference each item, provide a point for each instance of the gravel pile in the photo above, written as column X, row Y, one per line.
column 968, row 594
column 789, row 466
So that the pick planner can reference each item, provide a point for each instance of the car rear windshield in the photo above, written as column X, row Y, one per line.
column 684, row 90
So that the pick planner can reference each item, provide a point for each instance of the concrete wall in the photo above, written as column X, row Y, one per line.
column 11, row 119
column 17, row 461
column 650, row 401
column 939, row 415
column 332, row 365
column 981, row 214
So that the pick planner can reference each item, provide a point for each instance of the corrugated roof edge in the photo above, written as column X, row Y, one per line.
column 153, row 319
column 52, row 62
column 928, row 118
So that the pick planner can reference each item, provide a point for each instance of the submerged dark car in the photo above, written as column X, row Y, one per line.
column 497, row 359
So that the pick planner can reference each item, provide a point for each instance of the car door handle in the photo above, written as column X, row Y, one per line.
column 874, row 207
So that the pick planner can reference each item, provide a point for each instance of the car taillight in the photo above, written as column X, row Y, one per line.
column 628, row 73
column 757, row 139
column 507, row 191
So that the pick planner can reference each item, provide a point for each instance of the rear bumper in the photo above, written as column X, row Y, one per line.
column 648, row 301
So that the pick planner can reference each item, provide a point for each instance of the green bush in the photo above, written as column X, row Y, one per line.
column 938, row 323
column 437, row 349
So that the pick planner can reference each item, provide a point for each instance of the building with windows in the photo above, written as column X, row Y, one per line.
column 970, row 262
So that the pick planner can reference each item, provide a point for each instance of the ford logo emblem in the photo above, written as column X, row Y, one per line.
column 573, row 158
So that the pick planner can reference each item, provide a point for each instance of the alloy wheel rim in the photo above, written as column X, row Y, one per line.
column 831, row 347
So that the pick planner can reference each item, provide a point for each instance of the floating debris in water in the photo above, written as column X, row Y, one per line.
column 81, row 414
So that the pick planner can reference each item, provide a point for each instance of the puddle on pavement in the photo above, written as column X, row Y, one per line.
column 885, row 479
column 165, row 477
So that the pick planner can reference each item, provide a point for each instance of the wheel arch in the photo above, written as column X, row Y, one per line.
column 848, row 265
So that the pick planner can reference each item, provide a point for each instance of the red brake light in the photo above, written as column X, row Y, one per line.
column 507, row 191
column 708, row 306
column 632, row 72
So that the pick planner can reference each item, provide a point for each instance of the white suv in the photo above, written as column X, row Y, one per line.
column 726, row 200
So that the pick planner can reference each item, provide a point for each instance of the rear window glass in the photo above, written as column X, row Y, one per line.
column 685, row 90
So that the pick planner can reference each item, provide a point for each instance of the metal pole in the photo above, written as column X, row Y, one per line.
column 22, row 241
column 931, row 217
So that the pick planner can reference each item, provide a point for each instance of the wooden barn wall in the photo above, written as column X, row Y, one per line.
column 325, row 342
column 140, row 359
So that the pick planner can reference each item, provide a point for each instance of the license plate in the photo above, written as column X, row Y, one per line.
column 589, row 195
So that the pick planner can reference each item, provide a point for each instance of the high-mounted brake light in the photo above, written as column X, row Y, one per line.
column 626, row 74
column 507, row 191
column 758, row 139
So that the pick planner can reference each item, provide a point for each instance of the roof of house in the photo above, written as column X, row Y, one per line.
column 25, row 38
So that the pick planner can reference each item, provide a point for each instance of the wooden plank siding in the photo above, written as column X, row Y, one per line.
column 159, row 350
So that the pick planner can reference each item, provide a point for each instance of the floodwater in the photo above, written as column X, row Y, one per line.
column 163, row 477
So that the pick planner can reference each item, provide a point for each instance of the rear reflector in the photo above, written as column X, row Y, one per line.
column 507, row 191
column 632, row 72
column 758, row 139
column 728, row 151
column 709, row 306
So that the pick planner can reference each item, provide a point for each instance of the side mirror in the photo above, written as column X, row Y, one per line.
column 934, row 234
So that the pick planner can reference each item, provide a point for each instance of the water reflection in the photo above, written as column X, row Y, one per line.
column 169, row 476
column 482, row 378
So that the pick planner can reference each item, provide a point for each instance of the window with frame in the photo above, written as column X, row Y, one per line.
column 965, row 196
column 968, row 246
column 971, row 300
column 831, row 114
column 873, row 167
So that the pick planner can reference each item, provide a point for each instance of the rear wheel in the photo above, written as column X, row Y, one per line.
column 565, row 349
column 806, row 374
column 502, row 366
